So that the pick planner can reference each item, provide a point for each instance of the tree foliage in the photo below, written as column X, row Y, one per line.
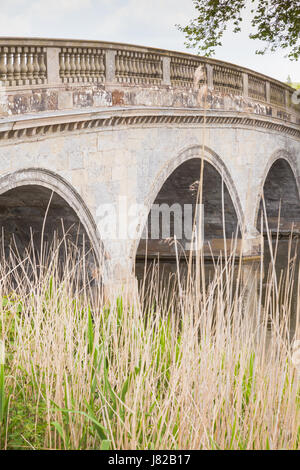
column 276, row 22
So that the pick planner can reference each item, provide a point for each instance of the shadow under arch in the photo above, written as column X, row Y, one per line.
column 52, row 181
column 280, row 181
column 195, row 152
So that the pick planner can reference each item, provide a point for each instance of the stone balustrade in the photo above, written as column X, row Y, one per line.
column 227, row 79
column 53, row 64
column 23, row 65
column 133, row 67
column 81, row 65
column 257, row 88
column 277, row 95
column 183, row 70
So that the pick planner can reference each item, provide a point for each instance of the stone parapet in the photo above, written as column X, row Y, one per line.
column 40, row 75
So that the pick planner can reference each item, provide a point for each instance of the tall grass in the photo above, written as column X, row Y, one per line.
column 204, row 365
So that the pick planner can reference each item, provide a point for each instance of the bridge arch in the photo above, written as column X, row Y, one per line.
column 45, row 178
column 190, row 153
column 281, row 165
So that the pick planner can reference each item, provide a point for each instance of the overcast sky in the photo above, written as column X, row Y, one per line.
column 144, row 22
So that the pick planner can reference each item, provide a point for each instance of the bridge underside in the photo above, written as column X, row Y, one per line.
column 280, row 205
column 188, row 185
column 31, row 214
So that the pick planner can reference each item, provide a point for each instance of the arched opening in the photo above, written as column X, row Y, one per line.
column 180, row 192
column 22, row 213
column 34, row 219
column 281, row 198
column 279, row 218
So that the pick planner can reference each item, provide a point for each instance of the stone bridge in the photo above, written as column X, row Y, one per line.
column 95, row 123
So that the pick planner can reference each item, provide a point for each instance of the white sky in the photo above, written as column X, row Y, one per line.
column 144, row 22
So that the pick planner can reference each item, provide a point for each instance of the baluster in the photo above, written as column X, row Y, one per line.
column 156, row 69
column 131, row 67
column 83, row 65
column 224, row 79
column 3, row 64
column 126, row 67
column 17, row 67
column 174, row 72
column 10, row 66
column 153, row 68
column 137, row 68
column 88, row 65
column 73, row 65
column 93, row 65
column 150, row 68
column 23, row 65
column 98, row 74
column 219, row 78
column 231, row 80
column 134, row 67
column 143, row 67
column 184, row 64
column 77, row 66
column 119, row 66
column 122, row 67
column 177, row 72
column 30, row 65
column 181, row 72
column 147, row 66
column 236, row 83
column 36, row 68
column 42, row 65
column 174, row 67
column 62, row 65
column 186, row 72
column 160, row 71
column 156, row 63
column 182, row 69
column 67, row 65
column 117, row 62
column 102, row 65
column 239, row 79
column 227, row 79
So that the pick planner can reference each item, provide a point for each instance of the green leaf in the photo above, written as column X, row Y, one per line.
column 105, row 445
